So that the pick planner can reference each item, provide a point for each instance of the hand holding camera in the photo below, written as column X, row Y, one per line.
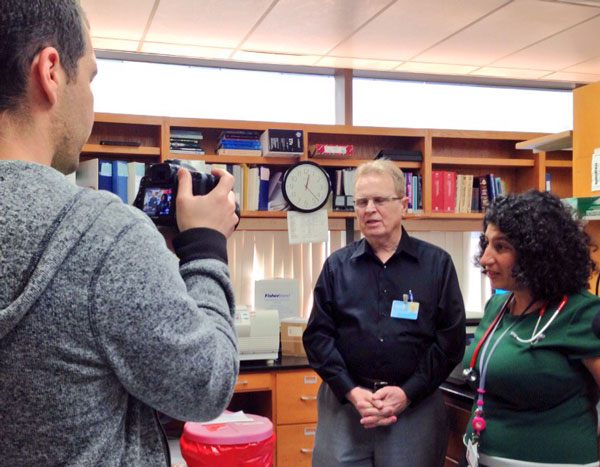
column 175, row 194
column 215, row 210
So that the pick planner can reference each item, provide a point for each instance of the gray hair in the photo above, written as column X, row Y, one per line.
column 383, row 167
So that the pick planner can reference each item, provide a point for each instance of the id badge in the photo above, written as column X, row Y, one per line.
column 405, row 310
column 472, row 454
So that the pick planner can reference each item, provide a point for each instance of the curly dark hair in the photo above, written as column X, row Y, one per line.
column 552, row 249
column 26, row 27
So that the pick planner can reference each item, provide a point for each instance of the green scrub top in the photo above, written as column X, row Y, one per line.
column 539, row 401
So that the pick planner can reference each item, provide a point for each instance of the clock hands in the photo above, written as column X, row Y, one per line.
column 310, row 191
column 306, row 186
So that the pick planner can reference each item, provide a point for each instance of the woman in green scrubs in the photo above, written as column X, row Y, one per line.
column 534, row 360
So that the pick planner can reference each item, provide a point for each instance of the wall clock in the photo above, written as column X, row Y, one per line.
column 306, row 186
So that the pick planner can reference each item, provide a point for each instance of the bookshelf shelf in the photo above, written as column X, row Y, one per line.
column 556, row 164
column 217, row 159
column 482, row 162
column 357, row 162
column 126, row 150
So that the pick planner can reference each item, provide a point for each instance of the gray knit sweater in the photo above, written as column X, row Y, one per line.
column 100, row 324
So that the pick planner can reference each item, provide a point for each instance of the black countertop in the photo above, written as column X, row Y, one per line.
column 461, row 391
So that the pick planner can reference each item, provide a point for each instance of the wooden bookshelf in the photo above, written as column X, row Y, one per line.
column 465, row 152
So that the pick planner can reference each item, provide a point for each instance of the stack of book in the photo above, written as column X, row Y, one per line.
column 119, row 177
column 185, row 141
column 239, row 143
column 458, row 193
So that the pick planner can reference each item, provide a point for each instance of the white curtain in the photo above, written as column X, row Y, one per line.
column 259, row 254
column 264, row 254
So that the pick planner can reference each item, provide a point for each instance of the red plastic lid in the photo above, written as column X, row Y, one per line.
column 257, row 429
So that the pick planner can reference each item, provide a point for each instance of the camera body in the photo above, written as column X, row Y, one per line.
column 158, row 190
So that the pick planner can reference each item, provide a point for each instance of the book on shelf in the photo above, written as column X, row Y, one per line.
column 119, row 179
column 458, row 198
column 449, row 190
column 95, row 174
column 408, row 181
column 337, row 188
column 264, row 175
column 239, row 143
column 198, row 151
column 239, row 152
column 547, row 182
column 185, row 133
column 135, row 172
column 185, row 141
column 332, row 151
column 400, row 155
column 475, row 205
column 437, row 196
column 240, row 134
column 275, row 142
column 276, row 200
column 484, row 195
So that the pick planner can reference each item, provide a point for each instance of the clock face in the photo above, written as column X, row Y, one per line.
column 306, row 186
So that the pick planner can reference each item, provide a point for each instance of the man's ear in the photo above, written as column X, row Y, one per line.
column 46, row 68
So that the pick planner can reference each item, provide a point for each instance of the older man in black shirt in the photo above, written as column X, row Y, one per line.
column 387, row 327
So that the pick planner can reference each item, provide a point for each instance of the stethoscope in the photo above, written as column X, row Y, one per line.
column 478, row 422
column 471, row 373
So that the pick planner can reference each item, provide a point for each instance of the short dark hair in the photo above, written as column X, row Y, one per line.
column 552, row 249
column 26, row 27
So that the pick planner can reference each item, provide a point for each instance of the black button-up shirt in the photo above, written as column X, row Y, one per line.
column 351, row 336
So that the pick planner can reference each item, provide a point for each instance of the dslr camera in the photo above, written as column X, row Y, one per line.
column 158, row 190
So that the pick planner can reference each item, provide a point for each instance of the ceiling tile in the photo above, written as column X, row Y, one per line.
column 512, row 73
column 310, row 26
column 214, row 23
column 103, row 43
column 507, row 30
column 179, row 50
column 589, row 66
column 129, row 23
column 566, row 49
column 573, row 77
column 436, row 68
column 281, row 59
column 409, row 27
column 358, row 63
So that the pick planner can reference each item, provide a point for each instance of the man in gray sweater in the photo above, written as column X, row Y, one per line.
column 100, row 324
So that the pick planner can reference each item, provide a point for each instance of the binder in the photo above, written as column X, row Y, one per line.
column 119, row 179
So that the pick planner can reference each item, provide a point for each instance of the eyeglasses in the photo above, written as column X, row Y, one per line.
column 378, row 201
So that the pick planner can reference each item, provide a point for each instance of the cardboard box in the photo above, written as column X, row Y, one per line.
column 278, row 294
column 291, row 336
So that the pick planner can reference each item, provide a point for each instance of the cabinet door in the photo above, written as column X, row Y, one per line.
column 295, row 444
column 253, row 382
column 297, row 396
column 459, row 413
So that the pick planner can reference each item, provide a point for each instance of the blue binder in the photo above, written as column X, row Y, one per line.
column 119, row 179
column 104, row 175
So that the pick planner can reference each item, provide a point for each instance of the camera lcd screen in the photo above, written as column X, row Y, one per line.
column 157, row 201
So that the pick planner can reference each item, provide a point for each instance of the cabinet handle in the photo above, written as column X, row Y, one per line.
column 305, row 450
column 242, row 382
column 308, row 398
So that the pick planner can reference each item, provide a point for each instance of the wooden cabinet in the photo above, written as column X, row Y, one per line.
column 296, row 416
column 464, row 152
column 288, row 398
column 458, row 409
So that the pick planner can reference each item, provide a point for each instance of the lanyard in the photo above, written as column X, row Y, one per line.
column 478, row 422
